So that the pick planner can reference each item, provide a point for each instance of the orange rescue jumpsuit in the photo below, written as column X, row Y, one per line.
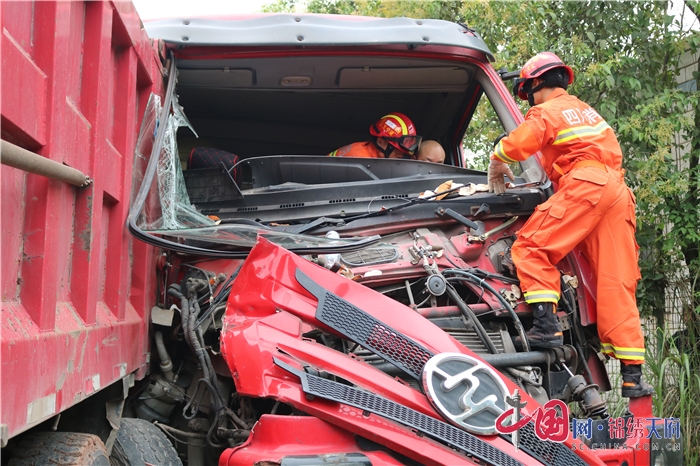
column 358, row 149
column 593, row 208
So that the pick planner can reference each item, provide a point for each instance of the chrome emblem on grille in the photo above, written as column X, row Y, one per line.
column 467, row 392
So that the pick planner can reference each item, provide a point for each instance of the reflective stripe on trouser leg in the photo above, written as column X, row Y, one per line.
column 598, row 214
column 626, row 354
column 542, row 296
column 612, row 252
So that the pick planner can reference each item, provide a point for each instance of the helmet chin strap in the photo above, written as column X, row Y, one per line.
column 531, row 93
column 385, row 150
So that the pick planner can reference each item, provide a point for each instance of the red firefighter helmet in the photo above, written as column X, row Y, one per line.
column 398, row 130
column 536, row 67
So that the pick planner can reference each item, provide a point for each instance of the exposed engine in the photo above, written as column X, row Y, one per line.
column 462, row 281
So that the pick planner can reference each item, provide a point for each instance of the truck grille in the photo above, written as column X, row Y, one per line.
column 365, row 330
column 408, row 355
column 366, row 401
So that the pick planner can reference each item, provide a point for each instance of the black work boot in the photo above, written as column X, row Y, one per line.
column 632, row 384
column 546, row 333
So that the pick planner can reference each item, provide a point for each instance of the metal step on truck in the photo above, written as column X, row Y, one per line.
column 189, row 278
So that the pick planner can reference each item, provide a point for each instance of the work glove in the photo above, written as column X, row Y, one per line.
column 495, row 174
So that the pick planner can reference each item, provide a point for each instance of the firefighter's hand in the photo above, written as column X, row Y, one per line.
column 495, row 174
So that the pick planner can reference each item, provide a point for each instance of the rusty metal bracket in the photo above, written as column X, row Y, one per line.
column 485, row 236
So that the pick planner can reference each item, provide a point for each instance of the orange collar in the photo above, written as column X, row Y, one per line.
column 557, row 92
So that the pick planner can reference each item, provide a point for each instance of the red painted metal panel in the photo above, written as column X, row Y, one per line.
column 76, row 293
column 275, row 437
column 22, row 112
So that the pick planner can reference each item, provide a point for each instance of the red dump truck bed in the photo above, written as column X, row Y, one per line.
column 76, row 288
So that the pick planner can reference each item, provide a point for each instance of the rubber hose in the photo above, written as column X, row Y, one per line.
column 469, row 314
column 516, row 320
column 181, row 432
column 166, row 365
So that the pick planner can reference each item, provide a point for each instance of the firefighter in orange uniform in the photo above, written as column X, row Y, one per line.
column 593, row 208
column 393, row 137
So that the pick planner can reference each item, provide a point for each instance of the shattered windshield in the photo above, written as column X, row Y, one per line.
column 163, row 215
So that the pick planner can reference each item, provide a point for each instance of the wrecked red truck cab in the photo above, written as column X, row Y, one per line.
column 308, row 309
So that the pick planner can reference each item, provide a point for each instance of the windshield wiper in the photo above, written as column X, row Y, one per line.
column 307, row 227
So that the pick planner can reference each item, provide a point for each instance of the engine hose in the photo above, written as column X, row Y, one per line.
column 234, row 417
column 464, row 309
column 192, row 405
column 188, row 338
column 199, row 336
column 182, row 433
column 204, row 361
column 174, row 291
column 193, row 339
column 217, row 405
column 516, row 320
column 469, row 315
column 166, row 365
column 209, row 380
column 210, row 436
column 215, row 424
column 189, row 308
column 210, row 366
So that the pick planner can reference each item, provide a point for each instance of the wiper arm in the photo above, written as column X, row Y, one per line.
column 307, row 227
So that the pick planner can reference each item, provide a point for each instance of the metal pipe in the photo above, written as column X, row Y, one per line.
column 410, row 294
column 166, row 365
column 504, row 360
column 17, row 157
column 451, row 311
column 529, row 358
column 180, row 432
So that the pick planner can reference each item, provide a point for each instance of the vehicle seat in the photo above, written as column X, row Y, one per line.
column 209, row 157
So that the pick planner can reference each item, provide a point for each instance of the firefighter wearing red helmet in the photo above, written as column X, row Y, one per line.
column 393, row 136
column 592, row 209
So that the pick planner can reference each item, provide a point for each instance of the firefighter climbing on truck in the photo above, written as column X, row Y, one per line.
column 593, row 208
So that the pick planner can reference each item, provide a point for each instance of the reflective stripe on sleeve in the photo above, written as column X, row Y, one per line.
column 501, row 154
column 542, row 296
column 578, row 131
column 334, row 153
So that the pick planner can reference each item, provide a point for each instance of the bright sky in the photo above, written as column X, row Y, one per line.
column 154, row 9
